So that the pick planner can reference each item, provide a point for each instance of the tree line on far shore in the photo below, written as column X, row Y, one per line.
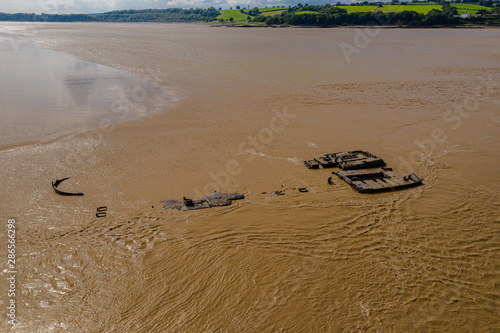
column 305, row 15
column 328, row 15
column 147, row 15
column 30, row 17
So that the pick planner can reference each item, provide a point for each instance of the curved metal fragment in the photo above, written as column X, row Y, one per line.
column 59, row 181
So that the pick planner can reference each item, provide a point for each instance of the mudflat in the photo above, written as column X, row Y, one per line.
column 247, row 107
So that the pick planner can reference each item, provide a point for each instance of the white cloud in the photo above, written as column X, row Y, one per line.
column 75, row 6
column 97, row 6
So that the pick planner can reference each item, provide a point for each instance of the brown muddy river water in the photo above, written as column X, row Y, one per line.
column 244, row 108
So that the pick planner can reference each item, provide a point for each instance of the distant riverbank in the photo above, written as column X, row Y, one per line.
column 382, row 14
column 354, row 26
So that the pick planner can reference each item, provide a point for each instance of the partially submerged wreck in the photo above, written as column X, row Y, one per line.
column 58, row 191
column 213, row 200
column 363, row 171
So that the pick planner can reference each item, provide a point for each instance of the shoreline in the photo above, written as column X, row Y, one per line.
column 250, row 25
column 132, row 97
column 352, row 26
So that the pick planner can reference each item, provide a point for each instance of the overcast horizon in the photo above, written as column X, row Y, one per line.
column 100, row 6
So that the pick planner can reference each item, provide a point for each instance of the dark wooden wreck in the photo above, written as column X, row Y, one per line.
column 213, row 200
column 364, row 172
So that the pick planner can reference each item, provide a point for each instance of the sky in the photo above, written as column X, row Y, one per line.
column 99, row 6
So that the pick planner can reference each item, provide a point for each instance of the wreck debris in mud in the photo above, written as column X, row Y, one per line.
column 213, row 200
column 58, row 191
column 363, row 171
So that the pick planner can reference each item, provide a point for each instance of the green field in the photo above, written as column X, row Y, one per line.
column 355, row 9
column 238, row 16
column 235, row 14
column 273, row 13
column 306, row 12
column 423, row 9
column 419, row 8
column 263, row 10
column 468, row 8
column 266, row 10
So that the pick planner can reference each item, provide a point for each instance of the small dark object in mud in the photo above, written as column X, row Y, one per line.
column 101, row 211
column 213, row 200
column 59, row 181
column 312, row 164
column 330, row 181
column 188, row 202
column 278, row 193
column 303, row 189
